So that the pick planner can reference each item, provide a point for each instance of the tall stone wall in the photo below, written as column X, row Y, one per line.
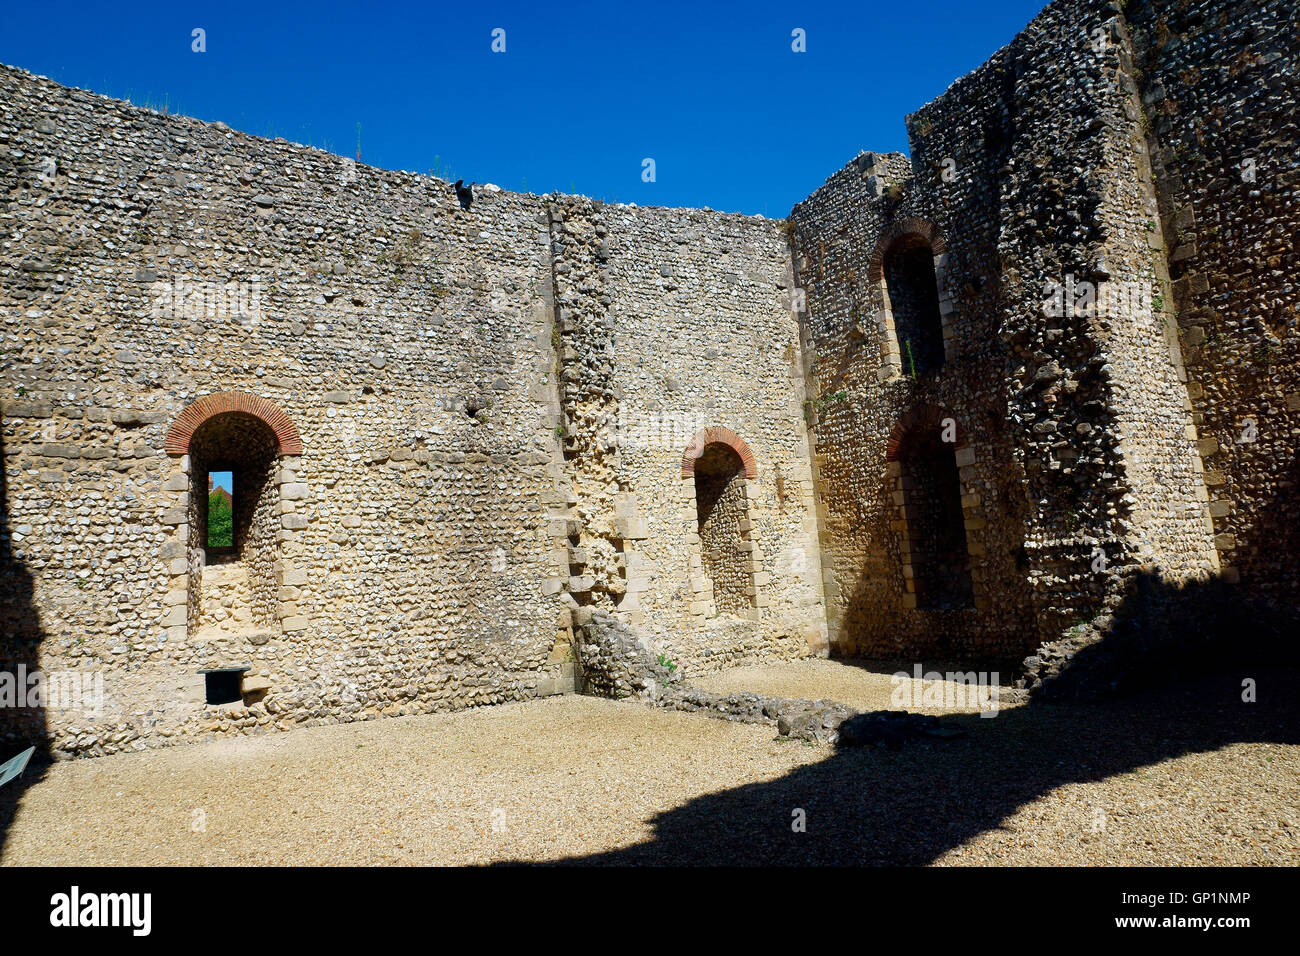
column 865, row 399
column 1095, row 376
column 483, row 411
column 479, row 400
column 1031, row 181
column 675, row 332
column 404, row 336
column 1165, row 521
column 1217, row 82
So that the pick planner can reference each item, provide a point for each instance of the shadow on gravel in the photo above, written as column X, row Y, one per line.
column 1179, row 656
column 875, row 806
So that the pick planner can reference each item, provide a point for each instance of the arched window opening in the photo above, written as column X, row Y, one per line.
column 913, row 292
column 720, row 506
column 233, row 461
column 936, row 530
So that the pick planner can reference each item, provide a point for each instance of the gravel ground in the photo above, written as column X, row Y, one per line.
column 1186, row 777
column 859, row 684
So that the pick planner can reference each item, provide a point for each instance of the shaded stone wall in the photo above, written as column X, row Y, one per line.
column 1217, row 82
column 1104, row 429
column 1061, row 362
column 862, row 393
column 720, row 504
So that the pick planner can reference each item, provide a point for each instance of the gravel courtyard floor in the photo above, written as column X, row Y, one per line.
column 1188, row 776
column 859, row 684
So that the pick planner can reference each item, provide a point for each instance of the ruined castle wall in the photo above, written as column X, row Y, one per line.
column 405, row 337
column 865, row 395
column 1079, row 455
column 1167, row 526
column 672, row 322
column 1105, row 430
column 494, row 403
column 1217, row 82
column 501, row 398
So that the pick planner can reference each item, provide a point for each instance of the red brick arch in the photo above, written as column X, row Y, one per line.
column 917, row 418
column 904, row 227
column 725, row 436
column 219, row 403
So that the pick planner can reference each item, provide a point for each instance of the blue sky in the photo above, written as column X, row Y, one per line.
column 221, row 479
column 584, row 92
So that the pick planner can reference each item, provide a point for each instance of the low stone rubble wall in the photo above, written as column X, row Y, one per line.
column 616, row 662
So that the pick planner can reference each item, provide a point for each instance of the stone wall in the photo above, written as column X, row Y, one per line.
column 476, row 433
column 481, row 413
column 1217, row 82
column 401, row 554
column 675, row 331
column 1031, row 181
column 865, row 402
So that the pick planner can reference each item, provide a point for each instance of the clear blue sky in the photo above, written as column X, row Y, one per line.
column 584, row 92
